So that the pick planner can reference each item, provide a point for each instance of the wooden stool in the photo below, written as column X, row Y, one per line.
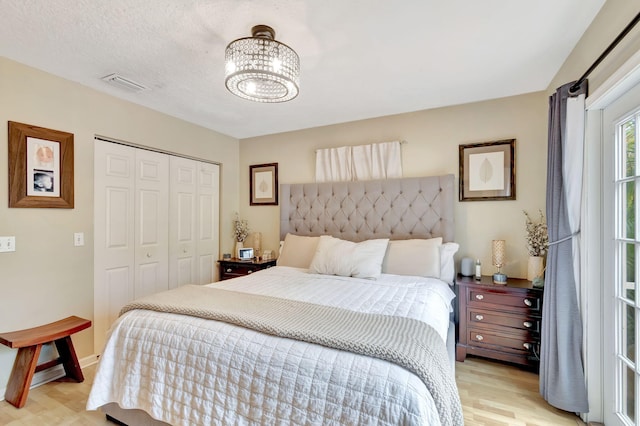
column 30, row 343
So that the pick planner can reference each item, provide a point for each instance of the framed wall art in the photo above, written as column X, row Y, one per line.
column 40, row 167
column 487, row 171
column 263, row 180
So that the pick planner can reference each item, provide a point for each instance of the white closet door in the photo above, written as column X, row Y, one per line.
column 156, row 227
column 208, row 221
column 182, row 222
column 151, row 223
column 114, row 178
column 193, row 229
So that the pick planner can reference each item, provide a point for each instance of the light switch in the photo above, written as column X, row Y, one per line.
column 7, row 244
column 78, row 239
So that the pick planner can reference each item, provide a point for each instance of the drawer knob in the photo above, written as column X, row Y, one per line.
column 479, row 337
column 479, row 317
column 249, row 271
column 527, row 324
column 229, row 269
column 479, row 296
column 527, row 346
column 528, row 302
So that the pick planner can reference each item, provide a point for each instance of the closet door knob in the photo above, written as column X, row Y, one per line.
column 479, row 296
column 528, row 302
column 148, row 254
column 479, row 317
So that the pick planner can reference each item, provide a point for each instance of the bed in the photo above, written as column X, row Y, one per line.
column 171, row 366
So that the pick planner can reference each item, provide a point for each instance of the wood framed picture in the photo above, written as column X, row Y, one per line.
column 40, row 167
column 263, row 180
column 487, row 171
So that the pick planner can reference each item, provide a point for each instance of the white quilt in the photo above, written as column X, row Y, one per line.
column 191, row 371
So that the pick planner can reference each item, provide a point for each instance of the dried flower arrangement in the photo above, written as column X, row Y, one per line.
column 537, row 237
column 240, row 229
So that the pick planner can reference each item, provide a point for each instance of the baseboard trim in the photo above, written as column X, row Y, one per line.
column 54, row 373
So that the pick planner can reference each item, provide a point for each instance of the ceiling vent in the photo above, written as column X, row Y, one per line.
column 124, row 83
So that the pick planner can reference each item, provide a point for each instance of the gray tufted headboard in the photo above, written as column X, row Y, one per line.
column 394, row 208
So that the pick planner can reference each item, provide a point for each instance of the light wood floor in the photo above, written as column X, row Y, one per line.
column 491, row 394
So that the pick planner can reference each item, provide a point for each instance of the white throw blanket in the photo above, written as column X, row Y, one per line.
column 409, row 343
column 187, row 370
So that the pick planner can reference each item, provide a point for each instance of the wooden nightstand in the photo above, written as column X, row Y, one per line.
column 233, row 268
column 501, row 322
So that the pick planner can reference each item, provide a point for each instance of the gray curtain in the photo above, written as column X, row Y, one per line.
column 562, row 381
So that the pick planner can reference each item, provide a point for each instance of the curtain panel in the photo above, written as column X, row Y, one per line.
column 362, row 162
column 562, row 380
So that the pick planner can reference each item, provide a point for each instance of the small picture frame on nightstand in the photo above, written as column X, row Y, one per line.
column 245, row 254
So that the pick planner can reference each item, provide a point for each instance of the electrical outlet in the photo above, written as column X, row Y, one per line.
column 78, row 239
column 7, row 244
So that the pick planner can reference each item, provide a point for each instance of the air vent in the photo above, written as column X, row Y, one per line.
column 124, row 83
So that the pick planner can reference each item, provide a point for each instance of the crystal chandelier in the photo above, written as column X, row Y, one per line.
column 261, row 69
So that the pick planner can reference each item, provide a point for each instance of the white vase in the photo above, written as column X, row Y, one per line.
column 535, row 267
column 239, row 245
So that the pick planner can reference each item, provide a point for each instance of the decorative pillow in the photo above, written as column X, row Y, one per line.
column 447, row 265
column 413, row 257
column 345, row 258
column 297, row 251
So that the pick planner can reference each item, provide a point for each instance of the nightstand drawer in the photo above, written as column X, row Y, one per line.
column 524, row 301
column 517, row 343
column 239, row 270
column 503, row 319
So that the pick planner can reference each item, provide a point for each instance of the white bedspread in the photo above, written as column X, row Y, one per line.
column 190, row 371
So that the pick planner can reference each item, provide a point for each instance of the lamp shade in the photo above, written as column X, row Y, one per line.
column 261, row 69
column 498, row 253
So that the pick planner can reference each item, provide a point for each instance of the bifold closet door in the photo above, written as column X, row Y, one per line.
column 151, row 225
column 193, row 219
column 131, row 243
column 114, row 251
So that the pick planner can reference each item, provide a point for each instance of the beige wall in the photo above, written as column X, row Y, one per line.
column 47, row 278
column 432, row 139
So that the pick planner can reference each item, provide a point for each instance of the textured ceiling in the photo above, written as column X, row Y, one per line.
column 359, row 58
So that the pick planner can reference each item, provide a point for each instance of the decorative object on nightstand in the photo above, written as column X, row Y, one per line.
column 499, row 322
column 478, row 274
column 240, row 232
column 537, row 243
column 497, row 258
column 257, row 243
column 466, row 267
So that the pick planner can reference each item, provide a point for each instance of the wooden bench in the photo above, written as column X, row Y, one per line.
column 29, row 343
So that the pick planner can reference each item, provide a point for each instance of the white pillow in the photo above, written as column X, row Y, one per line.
column 297, row 251
column 447, row 264
column 413, row 257
column 345, row 258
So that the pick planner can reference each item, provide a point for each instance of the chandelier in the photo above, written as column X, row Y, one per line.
column 261, row 69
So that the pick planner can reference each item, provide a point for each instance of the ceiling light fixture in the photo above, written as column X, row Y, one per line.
column 261, row 69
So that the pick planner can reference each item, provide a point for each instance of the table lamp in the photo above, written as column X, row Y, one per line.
column 497, row 259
